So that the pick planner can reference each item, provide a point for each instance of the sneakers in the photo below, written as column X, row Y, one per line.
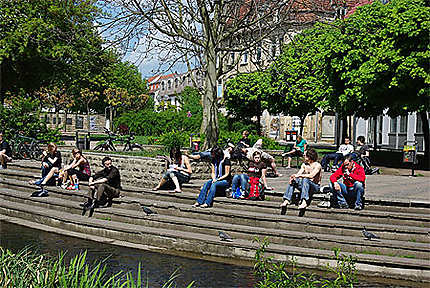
column 343, row 206
column 40, row 193
column 358, row 207
column 65, row 185
column 73, row 187
column 285, row 203
column 324, row 204
column 303, row 205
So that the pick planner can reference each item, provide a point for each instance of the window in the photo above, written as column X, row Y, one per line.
column 169, row 84
column 79, row 122
column 232, row 58
column 54, row 120
column 176, row 83
column 245, row 58
column 403, row 124
column 258, row 54
column 162, row 85
column 69, row 121
column 59, row 120
column 273, row 49
column 393, row 126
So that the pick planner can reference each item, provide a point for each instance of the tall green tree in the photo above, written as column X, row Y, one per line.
column 246, row 96
column 299, row 79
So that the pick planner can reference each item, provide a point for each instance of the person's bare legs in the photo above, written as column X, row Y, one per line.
column 273, row 165
column 49, row 176
column 177, row 186
column 162, row 182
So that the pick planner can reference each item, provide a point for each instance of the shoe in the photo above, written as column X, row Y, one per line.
column 303, row 205
column 358, row 207
column 285, row 203
column 324, row 204
column 41, row 193
column 204, row 206
column 343, row 206
column 196, row 204
column 65, row 185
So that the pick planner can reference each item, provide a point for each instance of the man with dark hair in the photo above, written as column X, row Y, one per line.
column 343, row 150
column 105, row 183
column 5, row 152
column 307, row 180
column 352, row 187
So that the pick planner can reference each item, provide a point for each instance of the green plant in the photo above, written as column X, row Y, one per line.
column 275, row 274
column 28, row 269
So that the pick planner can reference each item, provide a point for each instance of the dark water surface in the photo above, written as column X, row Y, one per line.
column 156, row 267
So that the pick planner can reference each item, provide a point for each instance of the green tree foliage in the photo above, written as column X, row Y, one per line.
column 149, row 122
column 246, row 96
column 299, row 77
column 45, row 41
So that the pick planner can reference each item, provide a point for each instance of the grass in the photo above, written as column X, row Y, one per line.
column 28, row 269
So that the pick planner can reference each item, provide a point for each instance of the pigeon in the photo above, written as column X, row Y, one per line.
column 369, row 235
column 147, row 210
column 224, row 237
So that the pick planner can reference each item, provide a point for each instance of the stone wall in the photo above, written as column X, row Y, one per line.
column 143, row 171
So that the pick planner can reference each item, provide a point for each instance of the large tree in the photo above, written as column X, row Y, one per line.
column 203, row 33
column 246, row 96
column 380, row 61
column 45, row 42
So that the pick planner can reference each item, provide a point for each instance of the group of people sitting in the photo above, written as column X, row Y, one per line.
column 106, row 184
column 347, row 193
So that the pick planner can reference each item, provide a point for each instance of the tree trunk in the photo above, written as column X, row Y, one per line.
column 209, row 126
column 375, row 133
column 302, row 122
column 425, row 126
column 65, row 120
column 110, row 118
column 344, row 127
column 56, row 117
column 88, row 118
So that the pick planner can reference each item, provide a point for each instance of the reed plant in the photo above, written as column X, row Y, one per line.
column 27, row 268
column 284, row 274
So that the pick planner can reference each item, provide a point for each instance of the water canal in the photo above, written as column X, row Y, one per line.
column 156, row 267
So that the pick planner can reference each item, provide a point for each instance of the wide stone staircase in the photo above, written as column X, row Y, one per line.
column 402, row 252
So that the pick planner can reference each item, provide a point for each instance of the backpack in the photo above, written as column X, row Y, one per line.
column 256, row 189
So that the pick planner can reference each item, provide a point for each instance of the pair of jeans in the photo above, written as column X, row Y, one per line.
column 45, row 172
column 355, row 192
column 304, row 185
column 240, row 180
column 207, row 194
column 331, row 156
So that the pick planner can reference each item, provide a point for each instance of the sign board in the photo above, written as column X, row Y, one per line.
column 290, row 135
column 409, row 154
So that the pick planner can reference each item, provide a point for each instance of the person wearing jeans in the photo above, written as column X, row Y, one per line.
column 307, row 180
column 352, row 187
column 344, row 150
column 221, row 178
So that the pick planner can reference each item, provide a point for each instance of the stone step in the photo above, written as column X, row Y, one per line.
column 210, row 245
column 249, row 218
column 381, row 214
column 121, row 213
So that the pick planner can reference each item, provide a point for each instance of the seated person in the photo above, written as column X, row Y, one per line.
column 343, row 150
column 265, row 157
column 5, row 152
column 352, row 187
column 244, row 142
column 83, row 173
column 221, row 179
column 298, row 149
column 51, row 165
column 179, row 170
column 206, row 155
column 307, row 180
column 256, row 169
column 362, row 150
column 105, row 184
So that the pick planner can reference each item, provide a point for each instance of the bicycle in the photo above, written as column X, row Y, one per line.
column 128, row 145
column 24, row 147
column 107, row 145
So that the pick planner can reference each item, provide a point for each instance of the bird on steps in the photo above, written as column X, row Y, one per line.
column 147, row 210
column 224, row 237
column 369, row 235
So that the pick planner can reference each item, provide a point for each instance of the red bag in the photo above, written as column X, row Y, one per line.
column 256, row 190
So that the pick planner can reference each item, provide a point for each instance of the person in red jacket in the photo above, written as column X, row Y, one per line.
column 353, row 184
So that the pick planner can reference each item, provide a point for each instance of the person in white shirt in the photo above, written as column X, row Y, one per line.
column 340, row 154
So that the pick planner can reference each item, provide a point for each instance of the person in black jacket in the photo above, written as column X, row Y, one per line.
column 5, row 152
column 105, row 183
column 51, row 165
